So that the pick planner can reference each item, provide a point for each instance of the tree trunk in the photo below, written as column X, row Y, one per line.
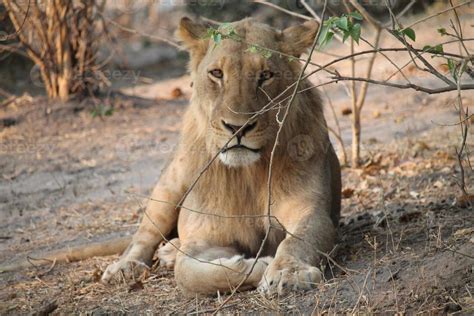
column 356, row 132
column 60, row 37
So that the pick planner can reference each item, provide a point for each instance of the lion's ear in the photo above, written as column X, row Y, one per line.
column 193, row 37
column 296, row 39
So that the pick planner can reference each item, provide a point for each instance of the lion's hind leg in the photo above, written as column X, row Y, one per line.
column 206, row 270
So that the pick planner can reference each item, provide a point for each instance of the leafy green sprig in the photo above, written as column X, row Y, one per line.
column 346, row 24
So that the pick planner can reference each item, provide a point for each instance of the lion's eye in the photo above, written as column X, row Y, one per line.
column 264, row 75
column 217, row 73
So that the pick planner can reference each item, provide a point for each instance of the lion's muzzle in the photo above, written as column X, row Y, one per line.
column 239, row 151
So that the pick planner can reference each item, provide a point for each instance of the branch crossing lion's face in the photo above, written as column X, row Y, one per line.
column 235, row 86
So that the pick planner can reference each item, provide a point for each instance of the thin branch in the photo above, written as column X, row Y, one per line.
column 17, row 31
column 270, row 168
column 464, row 131
column 436, row 14
column 430, row 69
column 372, row 20
column 301, row 16
column 133, row 31
column 13, row 49
column 365, row 85
column 402, row 13
column 408, row 85
column 311, row 11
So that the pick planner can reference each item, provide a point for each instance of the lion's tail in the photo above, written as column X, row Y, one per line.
column 104, row 248
column 194, row 275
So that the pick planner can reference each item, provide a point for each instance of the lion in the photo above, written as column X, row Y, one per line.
column 215, row 193
column 223, row 220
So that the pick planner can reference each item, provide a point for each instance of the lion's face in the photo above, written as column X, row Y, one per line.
column 236, row 85
column 233, row 83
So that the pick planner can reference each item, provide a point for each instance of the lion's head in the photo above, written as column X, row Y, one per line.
column 235, row 78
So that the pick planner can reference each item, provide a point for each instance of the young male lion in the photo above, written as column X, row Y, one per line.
column 222, row 222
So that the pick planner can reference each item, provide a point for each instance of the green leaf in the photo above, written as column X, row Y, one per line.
column 442, row 31
column 438, row 49
column 356, row 15
column 345, row 36
column 342, row 23
column 330, row 21
column 224, row 26
column 226, row 29
column 109, row 112
column 410, row 33
column 252, row 49
column 452, row 68
column 355, row 32
column 323, row 34
column 217, row 38
column 266, row 54
column 210, row 32
column 327, row 39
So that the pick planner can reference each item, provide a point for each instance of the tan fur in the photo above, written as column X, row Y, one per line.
column 222, row 220
column 82, row 252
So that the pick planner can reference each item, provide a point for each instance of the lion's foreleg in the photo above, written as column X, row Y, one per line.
column 310, row 236
column 159, row 219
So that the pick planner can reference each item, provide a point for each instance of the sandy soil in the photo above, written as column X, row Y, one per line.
column 68, row 178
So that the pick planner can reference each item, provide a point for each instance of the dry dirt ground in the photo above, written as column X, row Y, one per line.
column 68, row 178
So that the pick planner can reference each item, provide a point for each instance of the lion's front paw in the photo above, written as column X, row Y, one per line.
column 288, row 274
column 167, row 253
column 125, row 269
column 130, row 266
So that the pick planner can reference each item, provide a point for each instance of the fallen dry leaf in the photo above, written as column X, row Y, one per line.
column 465, row 201
column 463, row 232
column 176, row 93
column 346, row 111
column 136, row 286
column 347, row 193
column 411, row 68
column 443, row 68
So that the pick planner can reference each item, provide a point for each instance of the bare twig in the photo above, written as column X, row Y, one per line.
column 408, row 86
column 301, row 16
column 436, row 14
column 133, row 31
column 270, row 170
column 337, row 133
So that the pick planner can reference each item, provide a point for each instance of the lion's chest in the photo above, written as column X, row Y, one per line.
column 227, row 213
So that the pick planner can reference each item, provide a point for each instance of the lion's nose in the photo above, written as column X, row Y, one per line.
column 241, row 130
